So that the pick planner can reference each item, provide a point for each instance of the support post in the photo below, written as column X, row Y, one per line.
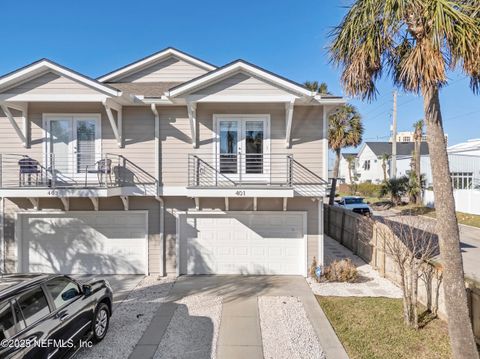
column 192, row 116
column 94, row 202
column 254, row 203
column 288, row 122
column 35, row 202
column 66, row 203
column 227, row 204
column 197, row 203
column 285, row 202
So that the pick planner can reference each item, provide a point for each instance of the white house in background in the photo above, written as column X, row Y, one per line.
column 471, row 148
column 369, row 163
column 343, row 174
column 409, row 136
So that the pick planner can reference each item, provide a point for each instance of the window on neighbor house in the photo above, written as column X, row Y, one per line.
column 406, row 139
column 366, row 165
column 462, row 180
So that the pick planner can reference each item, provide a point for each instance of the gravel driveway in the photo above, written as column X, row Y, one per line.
column 130, row 319
column 286, row 331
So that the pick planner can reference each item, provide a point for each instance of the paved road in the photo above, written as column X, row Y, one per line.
column 470, row 244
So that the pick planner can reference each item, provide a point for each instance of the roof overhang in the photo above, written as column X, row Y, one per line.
column 163, row 54
column 235, row 67
column 42, row 66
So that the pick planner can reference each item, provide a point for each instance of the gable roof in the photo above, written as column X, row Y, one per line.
column 349, row 154
column 44, row 65
column 234, row 67
column 403, row 148
column 151, row 59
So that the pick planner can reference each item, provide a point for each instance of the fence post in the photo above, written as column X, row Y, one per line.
column 355, row 237
column 342, row 228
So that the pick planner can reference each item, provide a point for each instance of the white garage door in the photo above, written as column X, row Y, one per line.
column 243, row 243
column 103, row 242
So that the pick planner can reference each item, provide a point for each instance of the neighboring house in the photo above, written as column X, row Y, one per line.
column 343, row 171
column 166, row 165
column 369, row 168
column 409, row 136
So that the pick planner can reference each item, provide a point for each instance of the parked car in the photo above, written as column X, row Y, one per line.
column 51, row 316
column 355, row 204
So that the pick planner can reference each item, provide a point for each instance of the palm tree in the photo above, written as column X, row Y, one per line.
column 385, row 157
column 315, row 86
column 345, row 129
column 395, row 187
column 416, row 42
column 351, row 165
column 417, row 136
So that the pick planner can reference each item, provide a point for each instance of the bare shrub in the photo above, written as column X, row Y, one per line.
column 313, row 268
column 341, row 271
column 411, row 243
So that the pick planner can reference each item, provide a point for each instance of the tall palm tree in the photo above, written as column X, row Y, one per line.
column 417, row 42
column 417, row 137
column 385, row 157
column 345, row 129
column 315, row 86
column 351, row 165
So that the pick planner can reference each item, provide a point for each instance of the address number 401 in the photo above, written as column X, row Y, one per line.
column 240, row 193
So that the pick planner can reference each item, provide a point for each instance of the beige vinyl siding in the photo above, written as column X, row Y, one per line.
column 241, row 84
column 155, row 246
column 176, row 204
column 138, row 132
column 172, row 69
column 175, row 134
column 50, row 83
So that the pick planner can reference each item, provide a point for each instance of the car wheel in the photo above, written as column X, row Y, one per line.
column 101, row 321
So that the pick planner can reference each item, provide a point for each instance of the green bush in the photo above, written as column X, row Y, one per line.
column 368, row 189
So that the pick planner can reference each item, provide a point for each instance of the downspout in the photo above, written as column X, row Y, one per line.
column 2, row 236
column 158, row 197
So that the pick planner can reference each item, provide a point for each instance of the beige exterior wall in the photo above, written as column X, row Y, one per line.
column 155, row 245
column 172, row 69
column 176, row 204
column 241, row 84
column 175, row 135
column 50, row 83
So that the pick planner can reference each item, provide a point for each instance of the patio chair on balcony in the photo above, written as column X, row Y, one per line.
column 102, row 168
column 28, row 167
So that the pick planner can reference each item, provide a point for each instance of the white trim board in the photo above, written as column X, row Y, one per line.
column 46, row 65
column 233, row 68
column 157, row 57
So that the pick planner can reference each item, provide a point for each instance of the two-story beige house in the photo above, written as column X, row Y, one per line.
column 166, row 165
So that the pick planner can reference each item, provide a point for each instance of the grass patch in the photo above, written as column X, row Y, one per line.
column 463, row 218
column 373, row 328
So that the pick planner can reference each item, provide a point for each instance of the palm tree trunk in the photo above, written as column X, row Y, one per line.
column 384, row 167
column 418, row 172
column 459, row 325
column 335, row 175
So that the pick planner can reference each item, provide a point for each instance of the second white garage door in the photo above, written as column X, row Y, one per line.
column 103, row 242
column 243, row 243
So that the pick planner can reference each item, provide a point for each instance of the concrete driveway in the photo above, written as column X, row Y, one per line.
column 122, row 284
column 240, row 331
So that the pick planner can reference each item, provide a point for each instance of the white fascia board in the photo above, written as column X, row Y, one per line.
column 25, row 97
column 43, row 65
column 234, row 68
column 239, row 192
column 153, row 58
column 241, row 98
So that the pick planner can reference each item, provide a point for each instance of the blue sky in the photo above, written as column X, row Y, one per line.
column 286, row 37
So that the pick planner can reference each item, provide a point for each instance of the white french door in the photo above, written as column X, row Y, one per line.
column 72, row 145
column 243, row 147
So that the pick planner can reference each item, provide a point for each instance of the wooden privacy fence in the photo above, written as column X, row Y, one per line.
column 361, row 235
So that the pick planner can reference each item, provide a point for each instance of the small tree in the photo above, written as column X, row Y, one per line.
column 395, row 188
column 411, row 249
column 318, row 87
column 417, row 172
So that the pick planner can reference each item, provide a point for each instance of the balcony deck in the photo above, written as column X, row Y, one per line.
column 82, row 175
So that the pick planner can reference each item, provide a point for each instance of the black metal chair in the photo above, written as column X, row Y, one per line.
column 28, row 167
column 102, row 168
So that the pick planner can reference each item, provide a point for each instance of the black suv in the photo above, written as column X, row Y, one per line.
column 51, row 316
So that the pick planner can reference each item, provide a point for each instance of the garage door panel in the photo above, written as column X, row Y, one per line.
column 84, row 243
column 245, row 243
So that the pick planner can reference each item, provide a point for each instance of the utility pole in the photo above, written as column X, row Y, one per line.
column 393, row 167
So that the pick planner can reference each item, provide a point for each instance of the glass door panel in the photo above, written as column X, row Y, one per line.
column 59, row 145
column 85, row 145
column 254, row 146
column 228, row 146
